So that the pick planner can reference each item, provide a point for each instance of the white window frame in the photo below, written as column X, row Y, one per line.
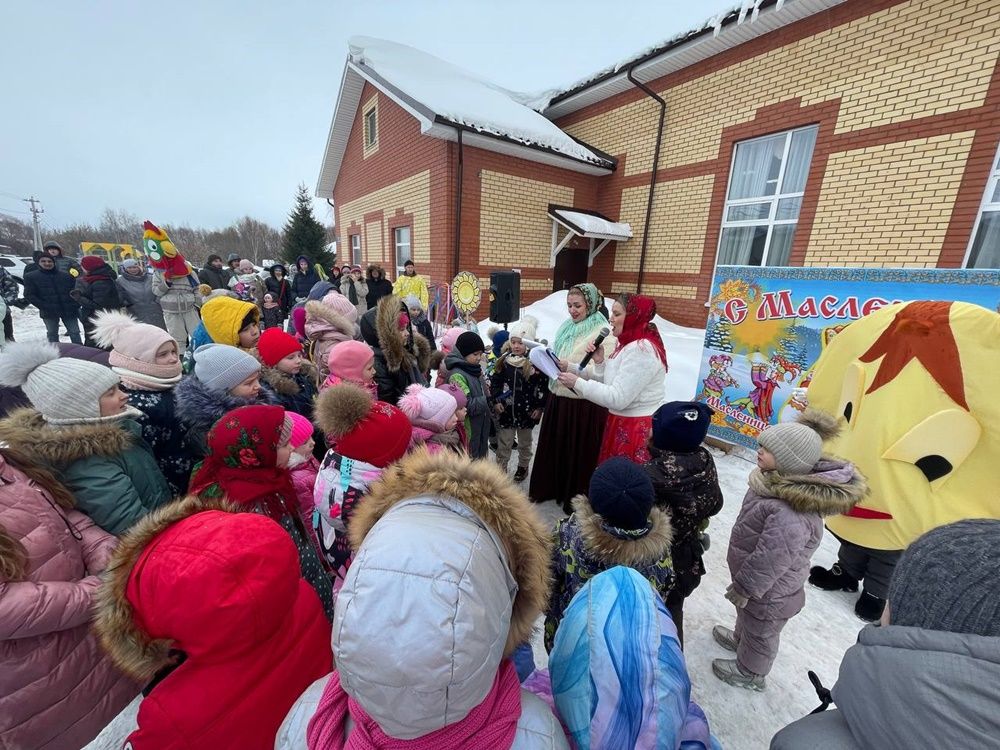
column 770, row 221
column 370, row 110
column 356, row 249
column 397, row 245
column 985, row 206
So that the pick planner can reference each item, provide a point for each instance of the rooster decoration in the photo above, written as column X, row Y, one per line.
column 162, row 255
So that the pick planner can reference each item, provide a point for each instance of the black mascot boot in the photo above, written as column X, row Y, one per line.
column 869, row 607
column 834, row 579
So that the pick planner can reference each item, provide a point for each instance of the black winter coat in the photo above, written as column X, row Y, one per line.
column 165, row 435
column 217, row 278
column 49, row 292
column 687, row 487
column 520, row 394
column 303, row 282
column 377, row 289
column 98, row 291
column 296, row 393
column 282, row 290
column 425, row 329
column 199, row 408
column 396, row 366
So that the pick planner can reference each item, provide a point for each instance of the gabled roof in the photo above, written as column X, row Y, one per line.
column 445, row 98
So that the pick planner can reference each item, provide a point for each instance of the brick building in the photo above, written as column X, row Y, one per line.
column 805, row 132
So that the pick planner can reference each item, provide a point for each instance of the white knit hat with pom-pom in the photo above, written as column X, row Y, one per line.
column 64, row 390
column 430, row 408
column 525, row 328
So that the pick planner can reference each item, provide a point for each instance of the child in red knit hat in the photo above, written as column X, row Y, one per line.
column 289, row 376
column 366, row 436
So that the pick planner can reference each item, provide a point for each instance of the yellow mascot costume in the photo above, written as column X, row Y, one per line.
column 916, row 386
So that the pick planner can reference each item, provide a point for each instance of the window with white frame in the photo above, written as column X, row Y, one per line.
column 984, row 247
column 369, row 118
column 356, row 249
column 766, row 183
column 402, row 239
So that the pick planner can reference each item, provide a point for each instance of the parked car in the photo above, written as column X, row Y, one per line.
column 15, row 266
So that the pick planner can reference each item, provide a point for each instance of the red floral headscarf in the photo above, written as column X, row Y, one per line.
column 639, row 312
column 243, row 455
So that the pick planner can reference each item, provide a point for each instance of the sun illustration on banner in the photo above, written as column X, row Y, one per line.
column 753, row 334
column 465, row 292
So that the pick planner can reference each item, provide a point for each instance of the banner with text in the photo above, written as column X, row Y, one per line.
column 767, row 327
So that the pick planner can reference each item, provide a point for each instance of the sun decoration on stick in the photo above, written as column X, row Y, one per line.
column 465, row 293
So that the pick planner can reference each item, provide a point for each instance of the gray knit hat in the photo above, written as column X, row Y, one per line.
column 221, row 368
column 949, row 579
column 63, row 390
column 798, row 446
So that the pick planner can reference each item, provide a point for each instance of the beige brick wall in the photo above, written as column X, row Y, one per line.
column 916, row 59
column 677, row 235
column 514, row 226
column 413, row 196
column 657, row 290
column 888, row 206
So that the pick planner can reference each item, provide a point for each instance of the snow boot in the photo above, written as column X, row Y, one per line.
column 520, row 474
column 725, row 637
column 730, row 672
column 869, row 607
column 834, row 579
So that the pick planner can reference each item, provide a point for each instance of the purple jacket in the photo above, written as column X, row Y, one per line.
column 57, row 687
column 780, row 526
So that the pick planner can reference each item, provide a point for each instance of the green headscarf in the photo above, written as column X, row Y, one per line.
column 569, row 332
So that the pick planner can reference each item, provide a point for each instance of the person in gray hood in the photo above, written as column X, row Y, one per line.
column 449, row 576
column 928, row 676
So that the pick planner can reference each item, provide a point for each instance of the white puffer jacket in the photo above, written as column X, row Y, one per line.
column 631, row 384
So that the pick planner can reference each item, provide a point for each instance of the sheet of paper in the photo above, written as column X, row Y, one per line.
column 544, row 360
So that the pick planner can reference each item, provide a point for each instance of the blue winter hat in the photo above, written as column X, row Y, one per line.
column 681, row 426
column 499, row 339
column 622, row 494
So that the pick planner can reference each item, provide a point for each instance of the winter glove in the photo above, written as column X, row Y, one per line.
column 738, row 600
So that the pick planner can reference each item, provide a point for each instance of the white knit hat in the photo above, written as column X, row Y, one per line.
column 63, row 390
column 525, row 328
column 798, row 446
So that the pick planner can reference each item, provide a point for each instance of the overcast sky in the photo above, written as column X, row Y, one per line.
column 202, row 111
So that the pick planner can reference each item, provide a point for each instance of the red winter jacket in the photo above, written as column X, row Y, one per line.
column 225, row 589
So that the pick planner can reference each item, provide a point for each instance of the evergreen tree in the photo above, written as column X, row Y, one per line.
column 718, row 335
column 304, row 235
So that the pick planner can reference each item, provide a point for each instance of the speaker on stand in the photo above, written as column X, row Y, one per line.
column 505, row 296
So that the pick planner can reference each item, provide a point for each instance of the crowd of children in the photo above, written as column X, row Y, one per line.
column 285, row 529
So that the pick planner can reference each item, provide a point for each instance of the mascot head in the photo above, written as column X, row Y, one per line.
column 915, row 386
column 161, row 253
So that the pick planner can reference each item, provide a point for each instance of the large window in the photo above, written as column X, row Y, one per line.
column 356, row 249
column 402, row 238
column 766, row 184
column 984, row 249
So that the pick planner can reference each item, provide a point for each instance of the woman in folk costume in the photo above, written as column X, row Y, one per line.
column 211, row 601
column 247, row 465
column 629, row 383
column 58, row 688
column 572, row 427
column 146, row 359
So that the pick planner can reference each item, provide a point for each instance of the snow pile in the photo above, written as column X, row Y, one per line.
column 595, row 224
column 463, row 97
column 683, row 345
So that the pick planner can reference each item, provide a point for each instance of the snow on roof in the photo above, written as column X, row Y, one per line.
column 462, row 97
column 589, row 225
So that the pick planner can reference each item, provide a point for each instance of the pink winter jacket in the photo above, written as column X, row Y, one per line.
column 304, row 480
column 57, row 688
column 325, row 328
column 780, row 526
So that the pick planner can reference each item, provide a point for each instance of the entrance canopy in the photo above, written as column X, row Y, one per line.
column 578, row 222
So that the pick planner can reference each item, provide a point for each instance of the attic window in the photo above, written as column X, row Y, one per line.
column 370, row 119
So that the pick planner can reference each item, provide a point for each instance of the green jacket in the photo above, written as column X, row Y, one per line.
column 106, row 465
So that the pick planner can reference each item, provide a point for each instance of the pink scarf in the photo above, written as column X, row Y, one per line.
column 489, row 726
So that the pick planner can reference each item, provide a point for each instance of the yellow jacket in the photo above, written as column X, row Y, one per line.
column 415, row 285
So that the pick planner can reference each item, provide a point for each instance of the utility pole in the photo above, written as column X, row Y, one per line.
column 35, row 212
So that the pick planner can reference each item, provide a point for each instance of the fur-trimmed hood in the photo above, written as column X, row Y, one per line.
column 380, row 330
column 833, row 487
column 59, row 446
column 199, row 408
column 131, row 648
column 484, row 489
column 284, row 384
column 614, row 550
column 322, row 320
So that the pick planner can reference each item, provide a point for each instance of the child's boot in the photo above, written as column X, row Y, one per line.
column 725, row 637
column 521, row 473
column 869, row 607
column 834, row 579
column 730, row 672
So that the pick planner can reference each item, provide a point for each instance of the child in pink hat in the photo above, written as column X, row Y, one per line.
column 433, row 414
column 351, row 362
column 303, row 468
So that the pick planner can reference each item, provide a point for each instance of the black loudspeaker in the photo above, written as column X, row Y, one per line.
column 505, row 296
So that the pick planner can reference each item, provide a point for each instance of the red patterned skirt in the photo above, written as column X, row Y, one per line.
column 626, row 436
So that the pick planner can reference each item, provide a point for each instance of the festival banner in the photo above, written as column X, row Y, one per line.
column 767, row 327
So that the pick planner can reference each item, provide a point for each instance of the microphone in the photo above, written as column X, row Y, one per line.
column 603, row 334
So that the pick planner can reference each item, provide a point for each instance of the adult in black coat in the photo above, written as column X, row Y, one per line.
column 401, row 355
column 214, row 273
column 378, row 285
column 67, row 265
column 96, row 290
column 304, row 279
column 49, row 289
column 278, row 285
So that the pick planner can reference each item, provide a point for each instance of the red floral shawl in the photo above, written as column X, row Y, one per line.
column 242, row 458
column 639, row 312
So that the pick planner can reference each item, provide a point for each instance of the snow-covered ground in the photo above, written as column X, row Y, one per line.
column 816, row 639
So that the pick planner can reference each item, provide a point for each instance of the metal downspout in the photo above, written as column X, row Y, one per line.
column 458, row 207
column 652, row 179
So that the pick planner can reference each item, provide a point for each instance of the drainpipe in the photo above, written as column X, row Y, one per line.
column 458, row 207
column 652, row 179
